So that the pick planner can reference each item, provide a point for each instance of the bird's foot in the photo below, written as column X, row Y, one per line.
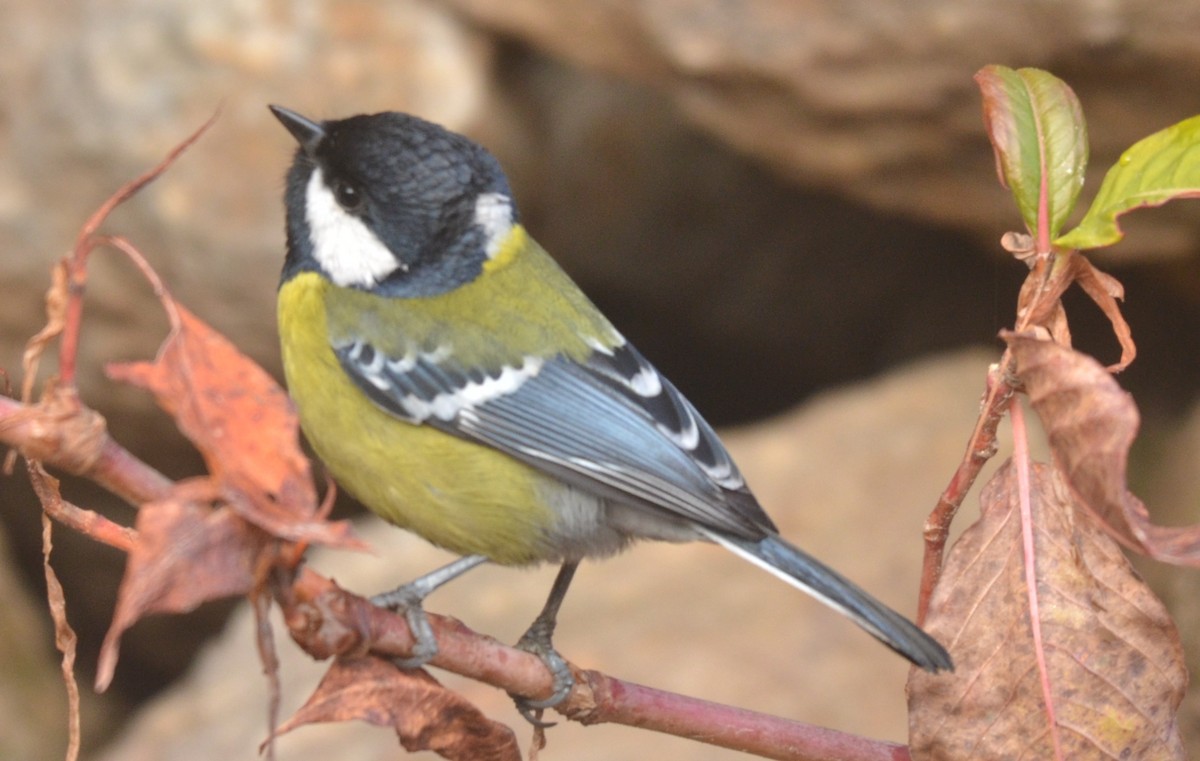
column 537, row 642
column 407, row 600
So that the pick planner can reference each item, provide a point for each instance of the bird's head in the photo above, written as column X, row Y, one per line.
column 392, row 203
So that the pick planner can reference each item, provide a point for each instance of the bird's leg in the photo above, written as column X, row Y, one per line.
column 536, row 640
column 409, row 597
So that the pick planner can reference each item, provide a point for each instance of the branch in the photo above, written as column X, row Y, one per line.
column 52, row 432
column 326, row 620
column 981, row 447
column 1038, row 307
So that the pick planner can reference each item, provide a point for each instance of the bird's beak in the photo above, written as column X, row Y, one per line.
column 307, row 132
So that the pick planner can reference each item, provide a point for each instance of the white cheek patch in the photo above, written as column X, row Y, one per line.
column 348, row 252
column 493, row 213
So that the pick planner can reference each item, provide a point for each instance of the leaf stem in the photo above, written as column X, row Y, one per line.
column 1021, row 465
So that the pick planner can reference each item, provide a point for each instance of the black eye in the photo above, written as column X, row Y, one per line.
column 348, row 195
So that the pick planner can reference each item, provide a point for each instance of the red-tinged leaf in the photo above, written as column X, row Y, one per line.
column 1114, row 661
column 243, row 424
column 1156, row 169
column 424, row 714
column 186, row 553
column 1091, row 423
column 1039, row 136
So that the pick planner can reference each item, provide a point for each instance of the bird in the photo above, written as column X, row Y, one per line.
column 455, row 380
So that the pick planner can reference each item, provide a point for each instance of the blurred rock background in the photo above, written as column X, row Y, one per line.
column 771, row 198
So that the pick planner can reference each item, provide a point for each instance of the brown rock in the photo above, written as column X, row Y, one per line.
column 877, row 103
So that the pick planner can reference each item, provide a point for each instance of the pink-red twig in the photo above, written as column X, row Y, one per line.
column 87, row 241
column 981, row 447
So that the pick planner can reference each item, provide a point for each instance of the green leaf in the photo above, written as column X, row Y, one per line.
column 1037, row 131
column 1155, row 170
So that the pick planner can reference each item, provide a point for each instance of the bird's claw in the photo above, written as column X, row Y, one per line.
column 408, row 601
column 537, row 643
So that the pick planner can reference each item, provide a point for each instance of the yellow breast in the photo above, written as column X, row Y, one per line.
column 461, row 496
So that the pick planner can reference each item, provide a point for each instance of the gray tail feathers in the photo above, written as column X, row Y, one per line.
column 801, row 570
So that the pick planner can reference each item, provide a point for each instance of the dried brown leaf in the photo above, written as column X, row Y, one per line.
column 1113, row 656
column 1091, row 423
column 425, row 715
column 1106, row 291
column 1058, row 327
column 56, row 315
column 1039, row 302
column 243, row 424
column 187, row 553
column 64, row 636
column 269, row 658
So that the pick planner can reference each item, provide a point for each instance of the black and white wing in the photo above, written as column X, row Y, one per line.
column 611, row 425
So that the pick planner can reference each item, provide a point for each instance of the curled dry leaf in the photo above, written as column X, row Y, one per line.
column 1021, row 245
column 186, row 553
column 1105, row 290
column 243, row 424
column 1039, row 302
column 1113, row 656
column 56, row 310
column 425, row 715
column 1091, row 423
column 56, row 315
column 64, row 636
column 268, row 656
